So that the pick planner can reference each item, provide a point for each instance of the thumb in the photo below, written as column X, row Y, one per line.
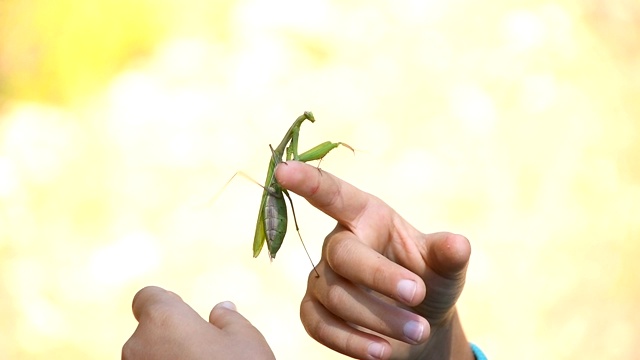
column 237, row 329
column 225, row 316
column 150, row 299
column 447, row 259
column 448, row 254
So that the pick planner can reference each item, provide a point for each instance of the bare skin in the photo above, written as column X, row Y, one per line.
column 385, row 289
column 169, row 329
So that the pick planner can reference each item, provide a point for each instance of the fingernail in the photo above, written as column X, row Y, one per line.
column 376, row 350
column 406, row 290
column 413, row 330
column 228, row 305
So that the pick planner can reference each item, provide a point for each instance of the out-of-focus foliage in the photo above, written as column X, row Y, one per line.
column 513, row 124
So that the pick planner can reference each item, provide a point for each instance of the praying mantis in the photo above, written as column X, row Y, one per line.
column 271, row 225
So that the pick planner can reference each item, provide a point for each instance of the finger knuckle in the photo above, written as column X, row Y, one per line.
column 338, row 252
column 379, row 276
column 352, row 343
column 161, row 315
column 128, row 350
column 334, row 296
column 317, row 329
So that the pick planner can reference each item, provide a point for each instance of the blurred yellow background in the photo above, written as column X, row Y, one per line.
column 513, row 123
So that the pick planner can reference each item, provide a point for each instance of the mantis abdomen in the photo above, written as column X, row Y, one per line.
column 275, row 219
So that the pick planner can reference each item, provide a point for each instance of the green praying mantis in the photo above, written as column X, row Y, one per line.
column 271, row 225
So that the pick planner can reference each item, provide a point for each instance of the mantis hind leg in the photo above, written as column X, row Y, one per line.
column 295, row 221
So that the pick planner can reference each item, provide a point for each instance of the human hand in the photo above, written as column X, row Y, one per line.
column 385, row 289
column 169, row 329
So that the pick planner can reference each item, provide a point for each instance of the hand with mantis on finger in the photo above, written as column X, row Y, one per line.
column 385, row 289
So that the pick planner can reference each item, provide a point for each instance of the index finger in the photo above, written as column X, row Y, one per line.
column 147, row 298
column 331, row 195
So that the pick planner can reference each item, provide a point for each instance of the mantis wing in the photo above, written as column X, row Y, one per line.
column 260, row 236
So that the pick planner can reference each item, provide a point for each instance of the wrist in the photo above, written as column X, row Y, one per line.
column 477, row 353
column 446, row 341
